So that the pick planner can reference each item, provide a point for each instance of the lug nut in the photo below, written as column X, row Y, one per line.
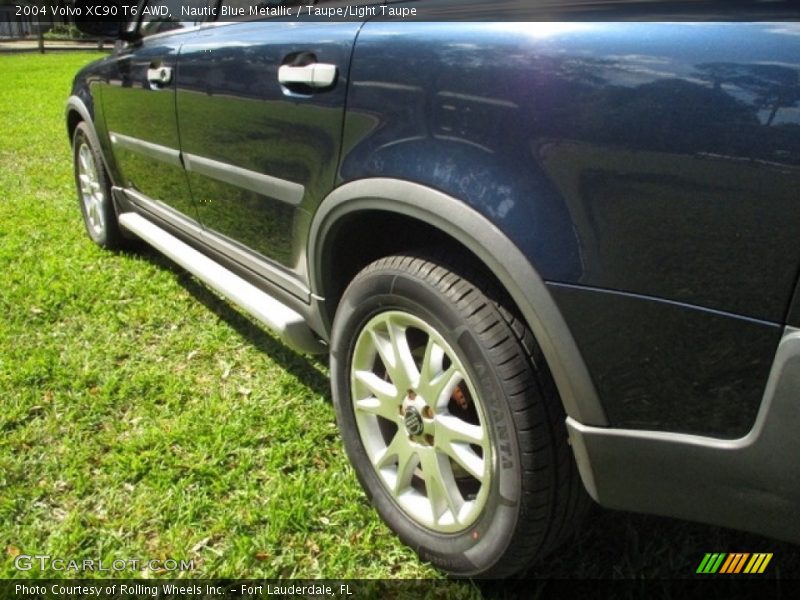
column 412, row 394
column 429, row 439
column 427, row 412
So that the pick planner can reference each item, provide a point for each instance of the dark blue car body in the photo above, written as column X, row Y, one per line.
column 633, row 185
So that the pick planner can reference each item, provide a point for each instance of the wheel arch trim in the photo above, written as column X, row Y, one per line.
column 493, row 248
column 76, row 104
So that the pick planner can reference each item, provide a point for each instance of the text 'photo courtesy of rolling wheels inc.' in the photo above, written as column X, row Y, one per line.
column 361, row 299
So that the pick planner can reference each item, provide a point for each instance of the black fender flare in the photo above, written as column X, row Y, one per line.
column 76, row 104
column 497, row 252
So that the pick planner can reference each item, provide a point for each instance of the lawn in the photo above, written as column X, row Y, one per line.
column 144, row 417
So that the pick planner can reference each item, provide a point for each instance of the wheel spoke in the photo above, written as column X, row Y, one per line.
column 383, row 401
column 86, row 184
column 386, row 353
column 405, row 368
column 399, row 451
column 465, row 456
column 392, row 451
column 83, row 157
column 380, row 388
column 432, row 362
column 453, row 429
column 407, row 463
column 442, row 388
column 440, row 484
column 378, row 407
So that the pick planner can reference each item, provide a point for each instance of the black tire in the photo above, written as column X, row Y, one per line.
column 94, row 197
column 532, row 498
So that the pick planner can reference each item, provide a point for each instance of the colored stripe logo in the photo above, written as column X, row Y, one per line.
column 734, row 562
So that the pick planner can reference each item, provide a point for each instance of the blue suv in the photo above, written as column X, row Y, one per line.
column 549, row 260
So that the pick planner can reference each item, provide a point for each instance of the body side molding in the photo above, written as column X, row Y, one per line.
column 498, row 253
column 286, row 191
column 756, row 478
column 282, row 189
column 171, row 156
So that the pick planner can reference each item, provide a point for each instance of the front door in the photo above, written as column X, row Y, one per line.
column 260, row 112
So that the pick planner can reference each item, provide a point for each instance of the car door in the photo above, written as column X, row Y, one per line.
column 139, row 112
column 259, row 139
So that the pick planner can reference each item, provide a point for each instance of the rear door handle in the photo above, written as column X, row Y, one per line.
column 315, row 75
column 159, row 75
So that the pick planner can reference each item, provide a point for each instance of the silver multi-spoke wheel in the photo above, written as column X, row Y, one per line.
column 421, row 421
column 91, row 189
column 451, row 425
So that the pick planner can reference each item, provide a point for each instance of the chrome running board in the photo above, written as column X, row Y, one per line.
column 282, row 320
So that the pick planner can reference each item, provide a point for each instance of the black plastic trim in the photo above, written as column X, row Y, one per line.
column 75, row 104
column 491, row 246
column 751, row 483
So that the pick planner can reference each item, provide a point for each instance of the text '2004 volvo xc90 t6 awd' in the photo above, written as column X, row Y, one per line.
column 545, row 258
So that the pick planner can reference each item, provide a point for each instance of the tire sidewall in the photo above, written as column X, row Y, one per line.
column 482, row 544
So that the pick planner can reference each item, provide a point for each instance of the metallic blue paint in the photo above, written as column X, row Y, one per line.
column 607, row 151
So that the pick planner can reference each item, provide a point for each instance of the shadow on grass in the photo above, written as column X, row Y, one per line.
column 306, row 368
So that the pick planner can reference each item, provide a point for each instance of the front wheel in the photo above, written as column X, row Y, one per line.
column 94, row 192
column 450, row 417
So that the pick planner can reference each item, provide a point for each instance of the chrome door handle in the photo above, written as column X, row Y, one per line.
column 159, row 75
column 316, row 75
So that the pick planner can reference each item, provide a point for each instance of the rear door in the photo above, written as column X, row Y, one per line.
column 260, row 112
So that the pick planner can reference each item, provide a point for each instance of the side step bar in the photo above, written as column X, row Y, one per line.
column 282, row 320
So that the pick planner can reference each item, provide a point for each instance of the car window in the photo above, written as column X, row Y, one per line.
column 159, row 16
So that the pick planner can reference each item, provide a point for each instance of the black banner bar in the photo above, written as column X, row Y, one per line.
column 708, row 588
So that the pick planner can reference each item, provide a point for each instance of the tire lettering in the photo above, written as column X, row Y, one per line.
column 505, row 457
column 504, row 449
column 502, row 432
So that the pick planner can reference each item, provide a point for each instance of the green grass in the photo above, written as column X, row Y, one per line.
column 143, row 417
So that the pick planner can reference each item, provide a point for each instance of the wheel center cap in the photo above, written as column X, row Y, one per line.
column 413, row 421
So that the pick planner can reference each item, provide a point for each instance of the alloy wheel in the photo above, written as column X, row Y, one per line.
column 421, row 421
column 91, row 189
